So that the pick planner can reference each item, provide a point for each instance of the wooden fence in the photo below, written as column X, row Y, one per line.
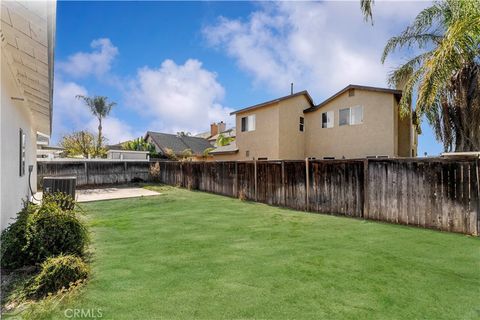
column 91, row 172
column 433, row 193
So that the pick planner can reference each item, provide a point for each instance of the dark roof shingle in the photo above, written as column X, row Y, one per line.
column 179, row 143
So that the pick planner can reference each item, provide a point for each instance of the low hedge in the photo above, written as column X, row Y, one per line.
column 40, row 232
column 58, row 273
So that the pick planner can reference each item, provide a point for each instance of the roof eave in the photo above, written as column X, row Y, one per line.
column 271, row 102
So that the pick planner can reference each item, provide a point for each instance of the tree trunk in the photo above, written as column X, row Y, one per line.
column 99, row 142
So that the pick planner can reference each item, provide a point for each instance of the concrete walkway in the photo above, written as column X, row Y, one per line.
column 110, row 193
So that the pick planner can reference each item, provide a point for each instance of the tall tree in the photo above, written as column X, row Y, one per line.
column 444, row 75
column 100, row 108
column 81, row 143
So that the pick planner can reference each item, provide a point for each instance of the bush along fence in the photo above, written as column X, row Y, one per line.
column 90, row 172
column 435, row 193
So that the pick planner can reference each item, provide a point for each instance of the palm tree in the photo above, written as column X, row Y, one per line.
column 445, row 73
column 100, row 108
column 223, row 140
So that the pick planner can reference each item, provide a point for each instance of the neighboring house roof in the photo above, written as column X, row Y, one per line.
column 263, row 104
column 230, row 148
column 178, row 143
column 397, row 93
column 117, row 146
column 232, row 133
column 204, row 135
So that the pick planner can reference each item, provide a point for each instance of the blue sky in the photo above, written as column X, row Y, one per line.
column 177, row 66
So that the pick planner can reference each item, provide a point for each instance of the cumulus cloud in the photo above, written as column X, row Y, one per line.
column 320, row 46
column 71, row 114
column 114, row 129
column 96, row 62
column 178, row 97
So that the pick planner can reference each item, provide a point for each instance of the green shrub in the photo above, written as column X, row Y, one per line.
column 42, row 231
column 65, row 201
column 14, row 243
column 58, row 273
column 51, row 231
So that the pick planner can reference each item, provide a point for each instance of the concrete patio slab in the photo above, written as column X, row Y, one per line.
column 109, row 193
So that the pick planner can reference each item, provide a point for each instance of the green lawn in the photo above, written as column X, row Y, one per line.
column 195, row 255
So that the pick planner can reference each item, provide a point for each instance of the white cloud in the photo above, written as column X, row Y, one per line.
column 320, row 46
column 97, row 62
column 68, row 112
column 71, row 114
column 178, row 97
column 114, row 129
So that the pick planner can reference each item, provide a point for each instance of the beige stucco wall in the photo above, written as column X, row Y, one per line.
column 276, row 135
column 292, row 140
column 14, row 115
column 406, row 148
column 224, row 157
column 375, row 136
column 264, row 140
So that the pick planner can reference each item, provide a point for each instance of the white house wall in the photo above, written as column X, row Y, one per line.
column 15, row 115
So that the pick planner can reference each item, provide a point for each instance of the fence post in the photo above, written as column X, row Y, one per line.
column 365, row 189
column 86, row 172
column 307, row 186
column 235, row 186
column 284, row 191
column 255, row 175
column 125, row 170
column 478, row 198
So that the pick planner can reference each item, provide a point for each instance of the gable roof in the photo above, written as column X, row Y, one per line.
column 263, row 104
column 229, row 148
column 396, row 93
column 178, row 143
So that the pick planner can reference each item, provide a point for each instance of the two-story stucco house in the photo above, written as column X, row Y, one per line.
column 356, row 122
column 27, row 35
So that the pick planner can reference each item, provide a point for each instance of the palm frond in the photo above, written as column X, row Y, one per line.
column 366, row 7
column 460, row 44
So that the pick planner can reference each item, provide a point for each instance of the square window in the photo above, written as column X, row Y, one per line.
column 356, row 115
column 344, row 117
column 327, row 119
column 248, row 123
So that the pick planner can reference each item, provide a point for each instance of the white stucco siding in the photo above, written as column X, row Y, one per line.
column 15, row 115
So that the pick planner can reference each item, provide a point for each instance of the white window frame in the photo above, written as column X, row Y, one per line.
column 249, row 123
column 330, row 116
column 351, row 115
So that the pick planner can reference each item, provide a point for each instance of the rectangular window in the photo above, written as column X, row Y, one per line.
column 22, row 153
column 302, row 124
column 344, row 117
column 327, row 119
column 356, row 115
column 248, row 123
